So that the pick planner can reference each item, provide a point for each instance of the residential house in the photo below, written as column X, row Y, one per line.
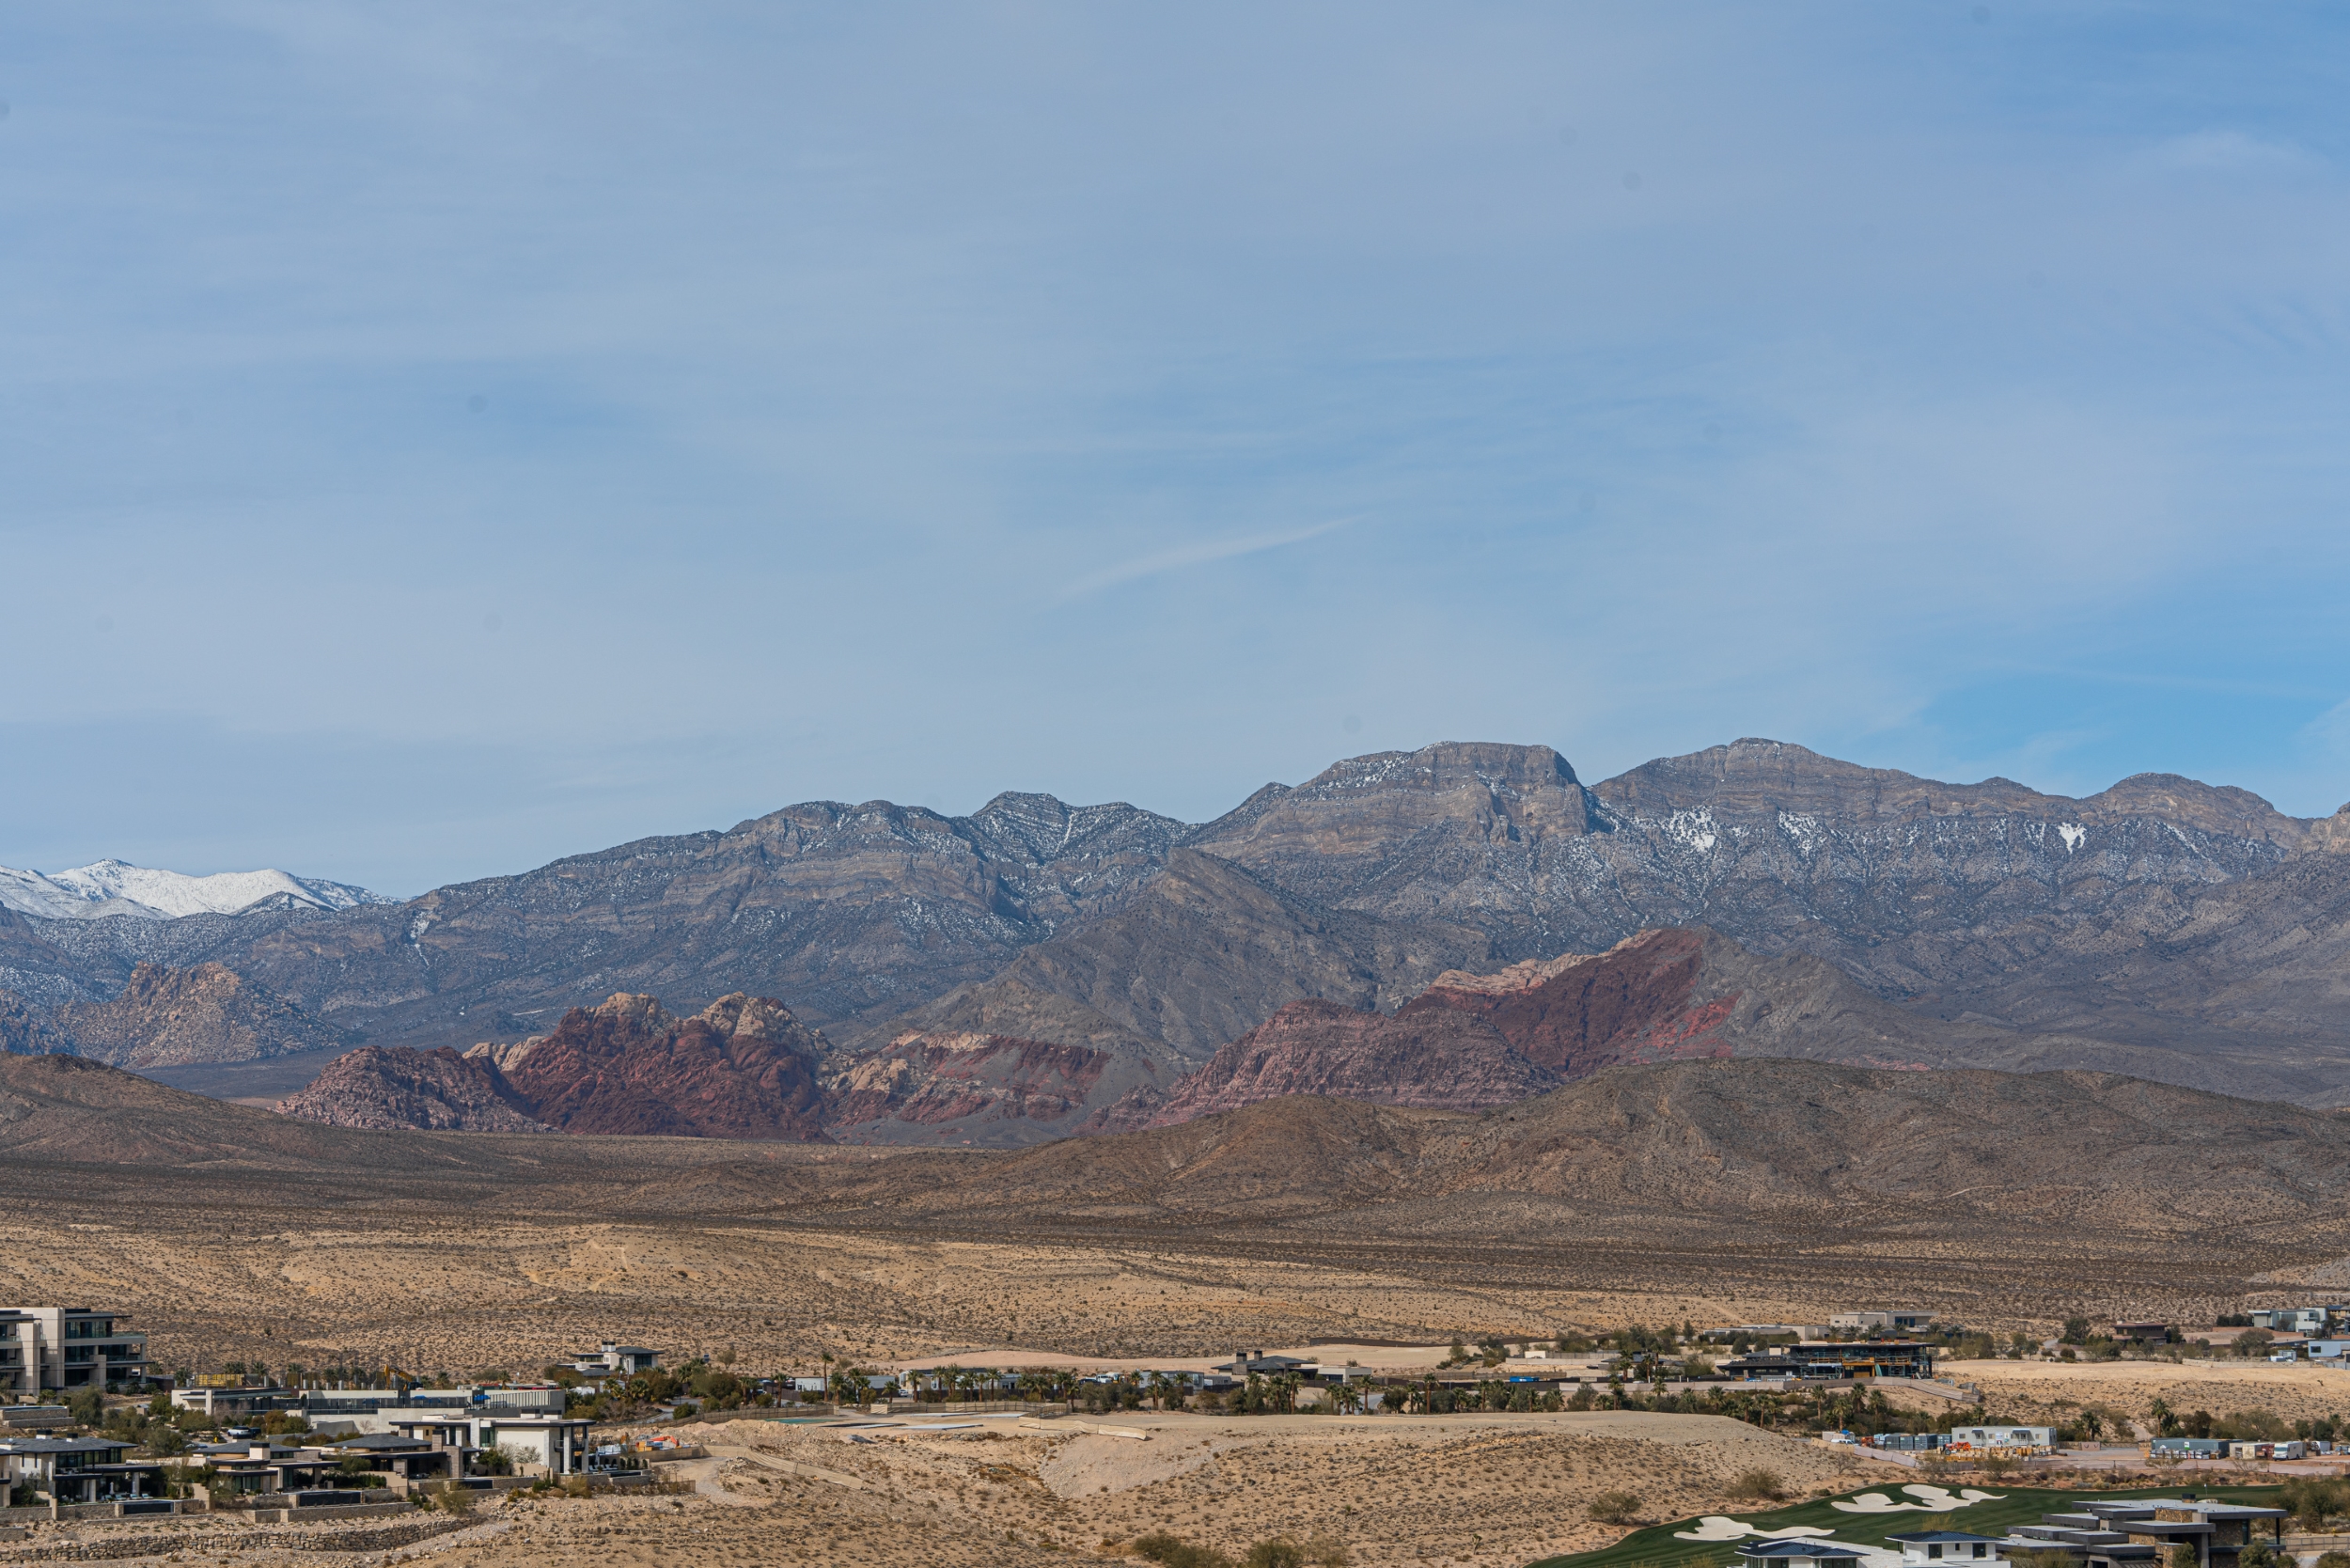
column 77, row 1469
column 234, row 1402
column 1799, row 1552
column 264, row 1465
column 2301, row 1319
column 44, row 1349
column 614, row 1360
column 1882, row 1323
column 557, row 1445
column 1920, row 1547
column 335, row 1411
column 409, row 1459
column 2141, row 1532
column 1835, row 1359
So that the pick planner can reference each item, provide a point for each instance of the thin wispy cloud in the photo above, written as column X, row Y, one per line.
column 1199, row 553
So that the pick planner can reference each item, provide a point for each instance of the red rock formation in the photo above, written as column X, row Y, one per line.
column 1638, row 1001
column 1439, row 1057
column 1480, row 1040
column 992, row 1090
column 744, row 1068
column 378, row 1086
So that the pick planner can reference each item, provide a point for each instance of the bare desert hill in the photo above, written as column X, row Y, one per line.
column 1715, row 1145
column 1730, row 1147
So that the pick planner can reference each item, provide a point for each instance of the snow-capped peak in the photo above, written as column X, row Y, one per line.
column 115, row 888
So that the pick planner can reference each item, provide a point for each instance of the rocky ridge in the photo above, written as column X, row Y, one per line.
column 165, row 1017
column 391, row 1087
column 742, row 1068
column 1201, row 955
column 26, row 1030
column 993, row 1091
column 1437, row 1058
column 2187, row 929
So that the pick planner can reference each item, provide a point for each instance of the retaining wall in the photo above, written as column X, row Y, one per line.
column 361, row 1538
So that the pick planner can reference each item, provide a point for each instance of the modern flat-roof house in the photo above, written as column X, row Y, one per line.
column 1884, row 1322
column 1799, row 1552
column 263, row 1467
column 614, row 1359
column 409, row 1458
column 2139, row 1532
column 1837, row 1359
column 1244, row 1362
column 1767, row 1331
column 43, row 1349
column 1925, row 1546
column 78, row 1470
column 559, row 1443
column 235, row 1401
column 19, row 1355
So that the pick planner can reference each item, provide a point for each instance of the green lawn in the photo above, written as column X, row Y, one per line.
column 1654, row 1547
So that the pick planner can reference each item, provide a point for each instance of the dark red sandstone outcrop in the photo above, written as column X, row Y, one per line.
column 1691, row 992
column 1640, row 1001
column 1439, row 1058
column 1472, row 1040
column 744, row 1068
column 390, row 1087
column 992, row 1090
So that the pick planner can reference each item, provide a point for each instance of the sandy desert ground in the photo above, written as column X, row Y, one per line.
column 2028, row 1389
column 469, row 1295
column 1490, row 1491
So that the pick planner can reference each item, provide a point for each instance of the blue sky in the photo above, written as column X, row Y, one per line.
column 438, row 438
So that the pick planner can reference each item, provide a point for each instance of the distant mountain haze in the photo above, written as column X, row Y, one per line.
column 2164, row 927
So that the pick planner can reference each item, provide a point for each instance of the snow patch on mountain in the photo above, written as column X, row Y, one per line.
column 115, row 888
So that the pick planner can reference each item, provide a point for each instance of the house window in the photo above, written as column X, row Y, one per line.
column 1934, row 1549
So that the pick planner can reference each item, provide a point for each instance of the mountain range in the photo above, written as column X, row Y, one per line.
column 1089, row 963
column 109, row 888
